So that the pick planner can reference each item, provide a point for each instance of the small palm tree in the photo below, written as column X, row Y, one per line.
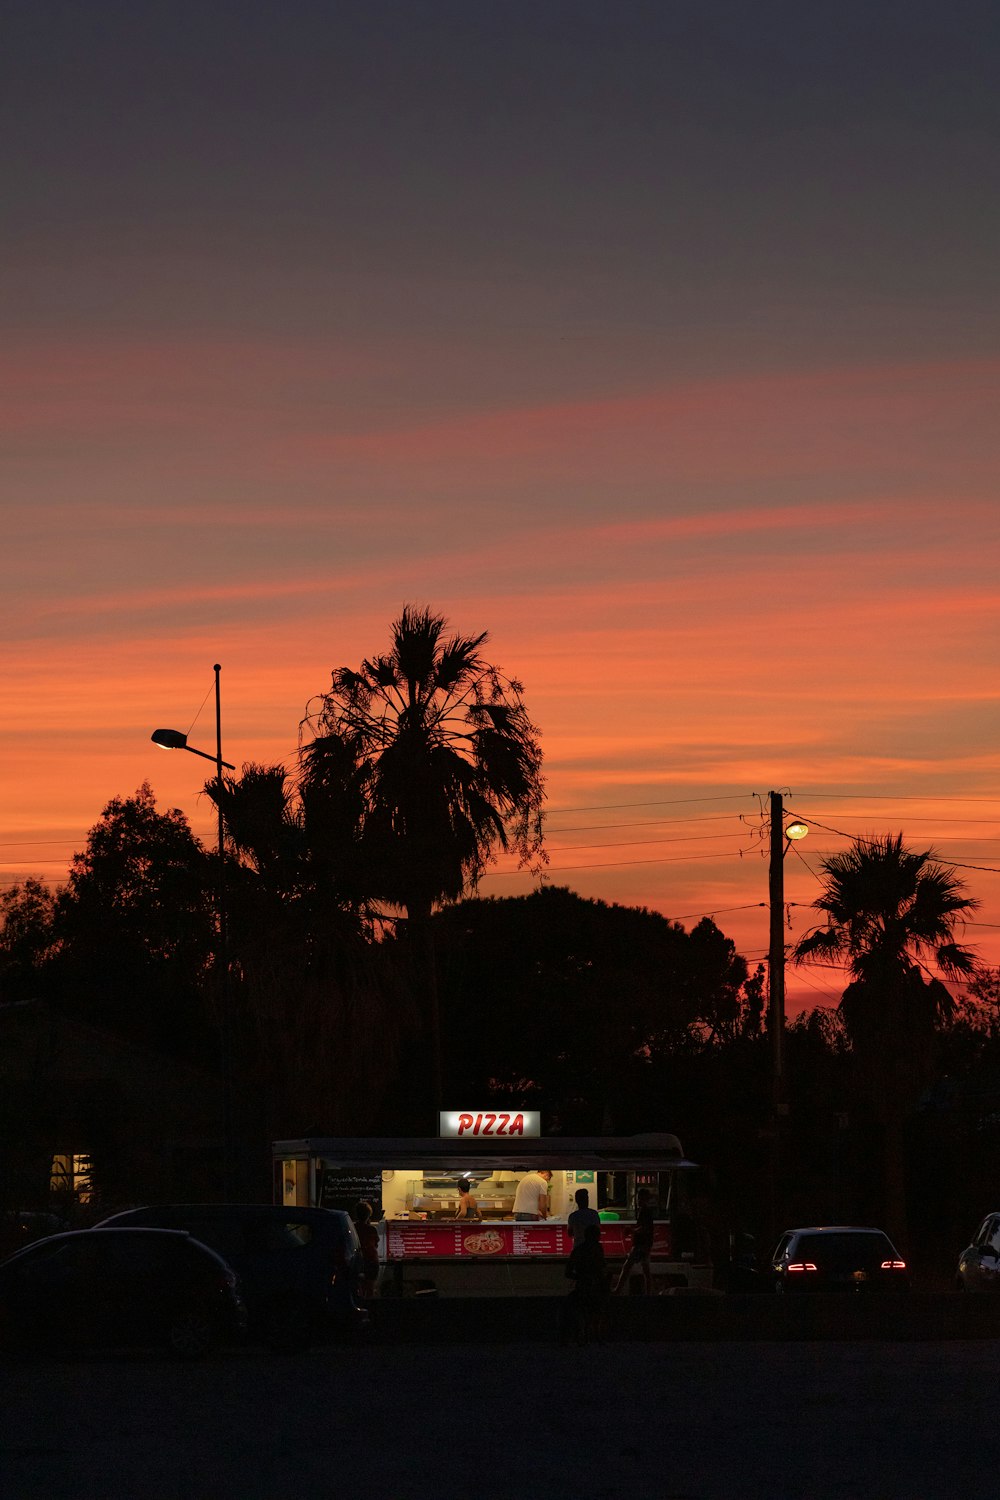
column 447, row 763
column 891, row 911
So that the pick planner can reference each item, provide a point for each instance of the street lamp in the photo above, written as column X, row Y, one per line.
column 781, row 838
column 175, row 739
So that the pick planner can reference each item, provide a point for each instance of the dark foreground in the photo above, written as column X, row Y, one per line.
column 516, row 1421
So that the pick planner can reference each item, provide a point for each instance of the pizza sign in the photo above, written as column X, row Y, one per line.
column 473, row 1123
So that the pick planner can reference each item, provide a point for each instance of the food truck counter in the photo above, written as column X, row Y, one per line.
column 406, row 1240
column 413, row 1186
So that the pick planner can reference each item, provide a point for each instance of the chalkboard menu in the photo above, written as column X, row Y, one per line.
column 343, row 1187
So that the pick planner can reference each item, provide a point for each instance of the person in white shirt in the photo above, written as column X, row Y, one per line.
column 581, row 1216
column 531, row 1201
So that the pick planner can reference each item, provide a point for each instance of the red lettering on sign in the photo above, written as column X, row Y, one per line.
column 517, row 1125
column 479, row 1125
column 504, row 1122
column 464, row 1123
column 490, row 1122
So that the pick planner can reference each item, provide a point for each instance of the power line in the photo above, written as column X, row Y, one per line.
column 976, row 822
column 800, row 856
column 31, row 843
column 658, row 802
column 717, row 911
column 8, row 863
column 859, row 838
column 616, row 864
column 649, row 822
column 816, row 989
column 897, row 797
column 690, row 838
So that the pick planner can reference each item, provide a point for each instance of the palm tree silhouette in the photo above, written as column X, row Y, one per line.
column 890, row 912
column 448, row 766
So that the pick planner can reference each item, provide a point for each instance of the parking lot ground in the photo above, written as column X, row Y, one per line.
column 695, row 1317
column 524, row 1421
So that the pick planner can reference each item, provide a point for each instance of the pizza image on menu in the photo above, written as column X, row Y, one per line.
column 487, row 1243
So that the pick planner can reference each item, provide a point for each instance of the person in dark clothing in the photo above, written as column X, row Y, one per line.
column 368, row 1235
column 642, row 1242
column 588, row 1300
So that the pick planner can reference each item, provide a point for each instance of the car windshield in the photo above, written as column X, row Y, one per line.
column 844, row 1252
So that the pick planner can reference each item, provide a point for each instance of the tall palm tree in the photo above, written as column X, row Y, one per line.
column 448, row 765
column 890, row 911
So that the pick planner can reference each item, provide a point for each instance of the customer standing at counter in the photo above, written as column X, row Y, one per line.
column 581, row 1216
column 531, row 1201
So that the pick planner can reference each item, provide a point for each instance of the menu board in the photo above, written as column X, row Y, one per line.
column 540, row 1239
column 343, row 1187
column 415, row 1239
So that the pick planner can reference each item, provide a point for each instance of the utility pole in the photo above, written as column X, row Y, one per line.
column 226, row 994
column 776, row 1005
column 776, row 954
column 780, row 839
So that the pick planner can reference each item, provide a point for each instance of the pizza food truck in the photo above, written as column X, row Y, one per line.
column 413, row 1187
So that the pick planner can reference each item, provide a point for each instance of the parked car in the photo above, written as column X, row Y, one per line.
column 141, row 1286
column 979, row 1263
column 19, row 1227
column 838, row 1258
column 299, row 1268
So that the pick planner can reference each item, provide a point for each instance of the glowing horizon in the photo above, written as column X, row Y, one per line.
column 663, row 347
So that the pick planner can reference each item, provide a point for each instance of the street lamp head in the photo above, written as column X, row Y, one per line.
column 169, row 739
column 796, row 831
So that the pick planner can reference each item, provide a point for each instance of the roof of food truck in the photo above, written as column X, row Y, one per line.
column 607, row 1152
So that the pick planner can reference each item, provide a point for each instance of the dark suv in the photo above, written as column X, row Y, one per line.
column 298, row 1267
column 129, row 1286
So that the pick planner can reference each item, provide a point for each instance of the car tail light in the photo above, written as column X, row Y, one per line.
column 801, row 1265
column 894, row 1265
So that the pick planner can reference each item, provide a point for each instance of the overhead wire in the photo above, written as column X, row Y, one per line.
column 201, row 706
column 614, row 864
column 860, row 838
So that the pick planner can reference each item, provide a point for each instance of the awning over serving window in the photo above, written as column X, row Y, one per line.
column 603, row 1153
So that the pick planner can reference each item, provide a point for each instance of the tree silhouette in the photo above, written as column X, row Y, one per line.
column 319, row 1011
column 136, row 926
column 28, row 939
column 891, row 911
column 448, row 766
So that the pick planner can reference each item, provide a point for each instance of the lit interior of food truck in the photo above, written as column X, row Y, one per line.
column 429, row 1236
column 433, row 1196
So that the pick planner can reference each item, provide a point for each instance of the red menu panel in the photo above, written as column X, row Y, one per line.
column 413, row 1239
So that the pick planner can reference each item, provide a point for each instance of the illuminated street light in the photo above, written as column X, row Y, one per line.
column 796, row 831
column 175, row 739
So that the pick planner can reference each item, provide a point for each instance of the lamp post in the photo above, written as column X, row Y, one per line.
column 175, row 739
column 780, row 839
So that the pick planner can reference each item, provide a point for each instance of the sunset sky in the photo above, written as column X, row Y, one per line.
column 660, row 340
